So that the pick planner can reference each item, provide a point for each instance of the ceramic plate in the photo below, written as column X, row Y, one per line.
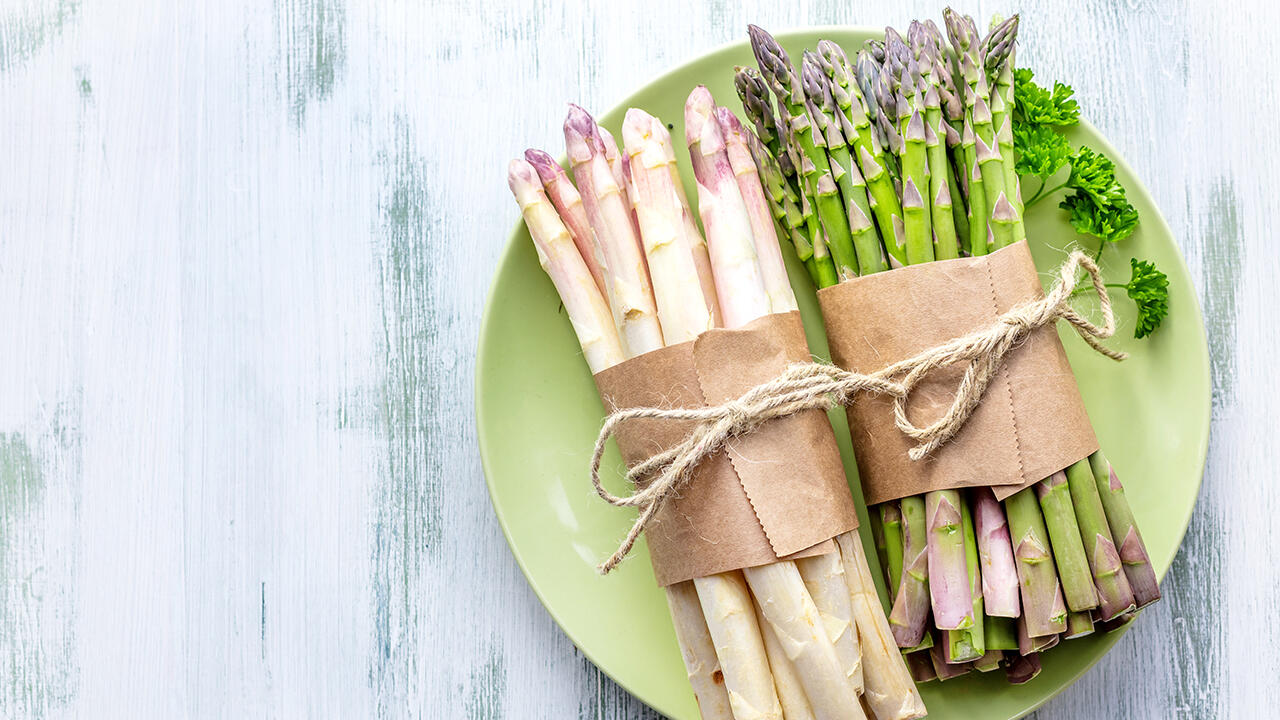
column 538, row 413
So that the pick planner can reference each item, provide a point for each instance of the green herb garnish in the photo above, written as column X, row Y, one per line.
column 1096, row 203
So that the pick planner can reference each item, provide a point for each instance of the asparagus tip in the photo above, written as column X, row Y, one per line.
column 729, row 122
column 773, row 60
column 581, row 134
column 832, row 56
column 698, row 110
column 520, row 174
column 543, row 163
column 637, row 125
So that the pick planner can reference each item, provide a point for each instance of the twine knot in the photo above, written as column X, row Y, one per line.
column 819, row 386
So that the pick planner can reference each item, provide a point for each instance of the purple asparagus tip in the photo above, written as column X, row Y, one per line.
column 581, row 136
column 773, row 60
column 761, row 39
column 546, row 166
column 1132, row 550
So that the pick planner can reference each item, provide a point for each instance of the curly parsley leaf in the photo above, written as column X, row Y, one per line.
column 1038, row 106
column 1111, row 222
column 1095, row 175
column 1149, row 290
column 1040, row 150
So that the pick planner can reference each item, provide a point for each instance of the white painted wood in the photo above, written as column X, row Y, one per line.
column 243, row 257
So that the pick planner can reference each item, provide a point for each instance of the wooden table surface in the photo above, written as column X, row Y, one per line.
column 244, row 253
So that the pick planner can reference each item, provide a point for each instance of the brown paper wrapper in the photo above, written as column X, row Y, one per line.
column 1031, row 421
column 777, row 493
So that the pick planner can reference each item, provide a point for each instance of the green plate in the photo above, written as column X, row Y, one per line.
column 537, row 416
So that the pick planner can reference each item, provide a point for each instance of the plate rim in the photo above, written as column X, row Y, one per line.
column 483, row 340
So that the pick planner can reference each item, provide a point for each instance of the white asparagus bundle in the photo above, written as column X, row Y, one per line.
column 791, row 640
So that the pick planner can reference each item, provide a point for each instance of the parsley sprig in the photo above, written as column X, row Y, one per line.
column 1096, row 203
column 1149, row 290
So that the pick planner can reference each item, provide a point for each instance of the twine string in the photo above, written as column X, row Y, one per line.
column 819, row 386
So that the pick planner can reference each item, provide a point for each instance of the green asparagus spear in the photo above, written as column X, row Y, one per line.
column 910, row 612
column 1114, row 594
column 864, row 141
column 1043, row 608
column 1068, row 550
column 970, row 643
column 891, row 529
column 853, row 189
column 1133, row 552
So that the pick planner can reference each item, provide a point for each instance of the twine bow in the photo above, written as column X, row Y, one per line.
column 808, row 386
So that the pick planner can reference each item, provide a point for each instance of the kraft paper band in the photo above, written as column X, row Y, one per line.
column 777, row 493
column 1031, row 421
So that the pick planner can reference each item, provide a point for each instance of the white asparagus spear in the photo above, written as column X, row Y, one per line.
column 612, row 156
column 791, row 613
column 772, row 267
column 692, row 235
column 726, row 604
column 558, row 255
column 618, row 166
column 823, row 576
column 610, row 219
column 699, row 652
column 568, row 203
column 682, row 310
column 730, row 243
column 795, row 705
column 890, row 691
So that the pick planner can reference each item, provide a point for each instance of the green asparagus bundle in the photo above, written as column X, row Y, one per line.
column 922, row 142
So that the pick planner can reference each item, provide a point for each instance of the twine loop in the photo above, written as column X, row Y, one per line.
column 820, row 386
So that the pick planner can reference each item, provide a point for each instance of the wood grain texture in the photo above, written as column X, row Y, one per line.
column 244, row 252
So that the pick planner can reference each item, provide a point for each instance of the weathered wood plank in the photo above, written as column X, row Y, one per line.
column 244, row 254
